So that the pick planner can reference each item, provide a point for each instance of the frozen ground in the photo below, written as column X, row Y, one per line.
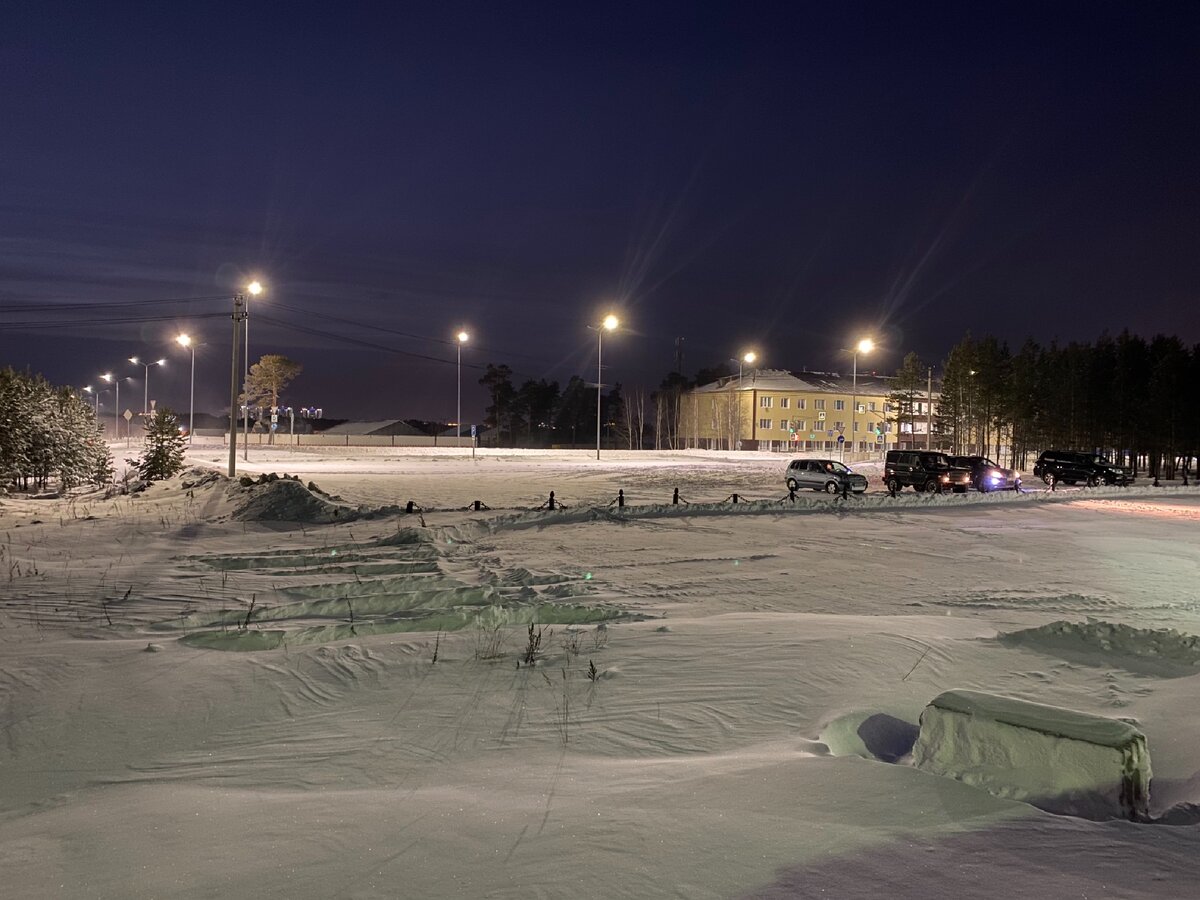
column 759, row 671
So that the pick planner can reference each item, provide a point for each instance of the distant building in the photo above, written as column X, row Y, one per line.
column 772, row 409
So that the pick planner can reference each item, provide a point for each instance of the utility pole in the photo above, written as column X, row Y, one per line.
column 238, row 315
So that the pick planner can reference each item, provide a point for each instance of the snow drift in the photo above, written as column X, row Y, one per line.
column 1057, row 759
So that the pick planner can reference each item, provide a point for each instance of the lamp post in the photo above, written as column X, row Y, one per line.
column 462, row 337
column 186, row 341
column 610, row 323
column 749, row 357
column 146, row 366
column 239, row 316
column 116, row 383
column 866, row 345
column 255, row 288
column 95, row 397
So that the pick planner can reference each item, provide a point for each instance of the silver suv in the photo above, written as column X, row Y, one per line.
column 827, row 475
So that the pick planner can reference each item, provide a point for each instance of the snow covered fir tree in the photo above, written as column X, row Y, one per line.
column 162, row 455
column 48, row 436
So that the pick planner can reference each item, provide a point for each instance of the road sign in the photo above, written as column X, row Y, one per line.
column 879, row 438
column 812, row 437
column 820, row 417
column 841, row 439
column 472, row 431
column 829, row 433
column 128, row 414
column 274, row 418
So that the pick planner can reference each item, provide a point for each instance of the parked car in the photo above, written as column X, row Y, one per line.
column 827, row 475
column 1075, row 466
column 923, row 470
column 987, row 475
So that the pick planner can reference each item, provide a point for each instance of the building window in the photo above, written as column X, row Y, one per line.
column 871, row 406
column 839, row 426
column 839, row 404
column 764, row 424
column 856, row 424
column 819, row 404
column 801, row 425
column 783, row 402
column 800, row 403
column 765, row 402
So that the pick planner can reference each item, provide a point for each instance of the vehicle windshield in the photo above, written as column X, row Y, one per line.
column 938, row 459
column 988, row 462
column 836, row 467
column 1101, row 461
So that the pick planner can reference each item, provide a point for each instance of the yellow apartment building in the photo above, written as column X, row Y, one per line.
column 772, row 409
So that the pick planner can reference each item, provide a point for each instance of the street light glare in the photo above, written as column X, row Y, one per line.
column 254, row 288
column 750, row 357
column 463, row 337
column 134, row 359
column 611, row 322
column 183, row 340
column 866, row 345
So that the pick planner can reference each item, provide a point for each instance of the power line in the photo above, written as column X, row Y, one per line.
column 52, row 307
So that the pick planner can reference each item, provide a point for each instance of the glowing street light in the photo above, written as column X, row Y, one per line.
column 95, row 397
column 115, row 381
column 748, row 359
column 866, row 345
column 610, row 323
column 186, row 341
column 462, row 337
column 254, row 288
column 146, row 366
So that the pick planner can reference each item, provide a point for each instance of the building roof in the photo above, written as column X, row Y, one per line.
column 804, row 382
column 383, row 427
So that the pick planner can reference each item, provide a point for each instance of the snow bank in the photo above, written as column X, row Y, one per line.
column 1164, row 652
column 1057, row 759
column 274, row 498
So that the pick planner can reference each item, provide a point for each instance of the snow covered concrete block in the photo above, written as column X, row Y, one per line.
column 1056, row 759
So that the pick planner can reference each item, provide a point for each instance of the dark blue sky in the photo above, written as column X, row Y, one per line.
column 783, row 176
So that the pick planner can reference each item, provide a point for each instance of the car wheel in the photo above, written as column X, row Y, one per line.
column 832, row 487
column 931, row 485
column 893, row 486
column 791, row 484
column 1046, row 478
column 1092, row 481
column 981, row 486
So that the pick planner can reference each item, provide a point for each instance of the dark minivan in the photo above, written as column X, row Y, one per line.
column 924, row 470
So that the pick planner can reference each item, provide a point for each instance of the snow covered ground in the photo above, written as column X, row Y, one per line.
column 199, row 701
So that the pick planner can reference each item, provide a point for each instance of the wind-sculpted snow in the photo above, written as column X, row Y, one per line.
column 394, row 584
column 1165, row 653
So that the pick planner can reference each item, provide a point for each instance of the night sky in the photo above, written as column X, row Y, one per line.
column 787, row 177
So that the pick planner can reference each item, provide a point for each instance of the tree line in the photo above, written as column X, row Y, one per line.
column 48, row 434
column 1128, row 397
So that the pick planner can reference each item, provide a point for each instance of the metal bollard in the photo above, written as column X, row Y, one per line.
column 478, row 505
column 621, row 497
column 551, row 501
column 675, row 497
column 409, row 506
column 734, row 498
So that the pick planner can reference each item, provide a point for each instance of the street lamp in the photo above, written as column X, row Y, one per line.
column 186, row 341
column 747, row 358
column 463, row 337
column 610, row 323
column 95, row 397
column 866, row 345
column 146, row 366
column 116, row 383
column 254, row 288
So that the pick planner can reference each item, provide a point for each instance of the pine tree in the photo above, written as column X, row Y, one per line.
column 164, row 447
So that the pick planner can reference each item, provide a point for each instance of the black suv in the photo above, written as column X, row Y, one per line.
column 1074, row 466
column 925, row 470
column 987, row 475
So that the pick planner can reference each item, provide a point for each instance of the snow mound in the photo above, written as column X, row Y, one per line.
column 1060, row 760
column 286, row 500
column 1160, row 652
